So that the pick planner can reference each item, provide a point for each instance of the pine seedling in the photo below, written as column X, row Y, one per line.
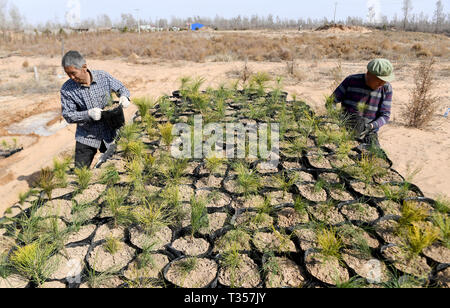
column 165, row 131
column 152, row 216
column 46, row 181
column 213, row 163
column 411, row 213
column 60, row 170
column 199, row 215
column 32, row 261
column 109, row 176
column 83, row 179
column 187, row 265
column 329, row 242
column 420, row 236
column 442, row 221
column 112, row 245
column 285, row 183
column 247, row 179
column 300, row 205
column 144, row 104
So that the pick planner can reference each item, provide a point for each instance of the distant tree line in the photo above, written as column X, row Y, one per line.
column 11, row 19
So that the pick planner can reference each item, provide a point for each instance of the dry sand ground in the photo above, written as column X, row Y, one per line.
column 409, row 149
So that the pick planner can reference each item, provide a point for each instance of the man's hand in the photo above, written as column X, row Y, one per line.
column 367, row 129
column 95, row 114
column 124, row 101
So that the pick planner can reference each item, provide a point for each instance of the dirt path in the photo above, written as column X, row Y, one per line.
column 407, row 148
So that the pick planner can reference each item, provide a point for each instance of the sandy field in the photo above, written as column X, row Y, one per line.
column 425, row 153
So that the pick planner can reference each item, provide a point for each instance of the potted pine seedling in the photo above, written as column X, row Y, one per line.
column 33, row 262
column 112, row 114
column 325, row 262
column 238, row 270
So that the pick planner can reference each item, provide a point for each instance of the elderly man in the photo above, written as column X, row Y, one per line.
column 82, row 99
column 367, row 99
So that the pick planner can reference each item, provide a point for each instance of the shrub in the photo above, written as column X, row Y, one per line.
column 422, row 105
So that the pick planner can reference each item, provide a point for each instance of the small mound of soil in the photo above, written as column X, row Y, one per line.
column 191, row 246
column 203, row 273
column 283, row 272
column 246, row 275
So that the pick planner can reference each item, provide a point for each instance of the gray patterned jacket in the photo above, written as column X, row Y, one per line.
column 76, row 100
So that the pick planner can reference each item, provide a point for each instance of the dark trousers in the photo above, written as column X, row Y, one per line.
column 84, row 154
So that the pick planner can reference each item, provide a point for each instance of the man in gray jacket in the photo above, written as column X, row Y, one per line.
column 83, row 97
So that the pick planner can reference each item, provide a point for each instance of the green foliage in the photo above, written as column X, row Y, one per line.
column 83, row 179
column 115, row 200
column 248, row 180
column 213, row 163
column 109, row 175
column 442, row 221
column 420, row 236
column 411, row 212
column 32, row 261
column 165, row 131
column 329, row 242
column 187, row 265
column 152, row 216
column 144, row 104
column 46, row 181
column 60, row 170
column 112, row 245
column 284, row 182
column 199, row 215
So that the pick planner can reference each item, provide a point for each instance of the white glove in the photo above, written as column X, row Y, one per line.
column 95, row 114
column 124, row 101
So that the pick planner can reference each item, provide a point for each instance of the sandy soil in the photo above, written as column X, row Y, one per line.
column 427, row 151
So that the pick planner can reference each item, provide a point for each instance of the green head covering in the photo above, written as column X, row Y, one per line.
column 382, row 68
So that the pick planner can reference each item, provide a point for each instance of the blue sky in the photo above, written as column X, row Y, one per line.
column 44, row 10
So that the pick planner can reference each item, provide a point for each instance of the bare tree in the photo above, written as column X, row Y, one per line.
column 439, row 16
column 3, row 4
column 407, row 8
column 104, row 21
